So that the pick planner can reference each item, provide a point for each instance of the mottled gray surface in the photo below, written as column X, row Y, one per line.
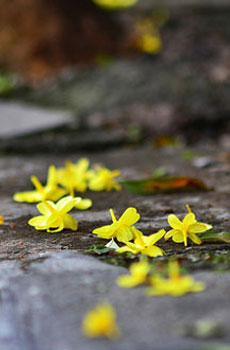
column 45, row 291
column 18, row 119
column 42, row 309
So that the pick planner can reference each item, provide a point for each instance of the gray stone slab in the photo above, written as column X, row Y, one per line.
column 18, row 119
column 43, row 308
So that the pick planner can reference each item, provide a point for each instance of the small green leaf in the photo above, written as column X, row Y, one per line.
column 215, row 237
column 98, row 249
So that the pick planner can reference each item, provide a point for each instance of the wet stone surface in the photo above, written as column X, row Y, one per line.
column 47, row 283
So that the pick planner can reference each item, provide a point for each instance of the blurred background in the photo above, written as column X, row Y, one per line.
column 114, row 72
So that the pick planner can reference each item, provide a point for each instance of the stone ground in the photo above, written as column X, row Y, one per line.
column 48, row 283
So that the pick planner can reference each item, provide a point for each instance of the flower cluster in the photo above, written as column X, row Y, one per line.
column 65, row 182
column 57, row 198
column 175, row 285
column 125, row 231
column 68, row 180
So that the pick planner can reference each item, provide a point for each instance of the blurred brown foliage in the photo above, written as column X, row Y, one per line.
column 38, row 37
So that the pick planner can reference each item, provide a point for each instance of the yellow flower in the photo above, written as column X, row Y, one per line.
column 188, row 228
column 175, row 285
column 48, row 192
column 149, row 39
column 115, row 4
column 138, row 275
column 103, row 180
column 1, row 220
column 74, row 176
column 101, row 322
column 121, row 229
column 150, row 43
column 144, row 244
column 55, row 217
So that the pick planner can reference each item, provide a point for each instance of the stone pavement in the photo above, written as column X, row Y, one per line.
column 47, row 284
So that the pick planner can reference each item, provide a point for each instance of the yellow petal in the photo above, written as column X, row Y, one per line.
column 52, row 177
column 106, row 231
column 129, row 247
column 37, row 184
column 153, row 251
column 129, row 217
column 65, row 204
column 96, row 184
column 178, row 237
column 84, row 204
column 128, row 281
column 70, row 222
column 38, row 221
column 29, row 196
column 56, row 225
column 153, row 238
column 171, row 233
column 53, row 220
column 194, row 238
column 55, row 194
column 124, row 234
column 188, row 208
column 189, row 219
column 46, row 208
column 140, row 269
column 82, row 165
column 1, row 220
column 173, row 269
column 199, row 227
column 174, row 222
column 113, row 215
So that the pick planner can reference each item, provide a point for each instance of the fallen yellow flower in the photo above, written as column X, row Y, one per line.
column 144, row 245
column 188, row 228
column 74, row 177
column 175, row 285
column 102, row 179
column 55, row 217
column 121, row 229
column 115, row 4
column 149, row 40
column 138, row 275
column 1, row 220
column 101, row 322
column 48, row 192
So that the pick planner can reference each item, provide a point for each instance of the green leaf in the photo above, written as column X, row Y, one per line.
column 215, row 237
column 164, row 184
column 98, row 249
